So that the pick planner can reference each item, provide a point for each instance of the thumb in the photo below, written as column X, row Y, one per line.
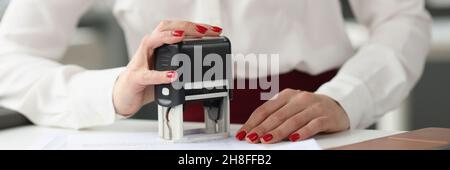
column 153, row 77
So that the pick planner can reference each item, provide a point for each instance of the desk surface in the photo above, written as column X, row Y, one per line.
column 33, row 137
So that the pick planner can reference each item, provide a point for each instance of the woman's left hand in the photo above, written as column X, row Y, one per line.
column 294, row 115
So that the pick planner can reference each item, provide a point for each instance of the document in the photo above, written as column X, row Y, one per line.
column 151, row 141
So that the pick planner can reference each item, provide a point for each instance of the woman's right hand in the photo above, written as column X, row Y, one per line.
column 135, row 85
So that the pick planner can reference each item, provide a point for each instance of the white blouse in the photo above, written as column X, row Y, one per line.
column 308, row 35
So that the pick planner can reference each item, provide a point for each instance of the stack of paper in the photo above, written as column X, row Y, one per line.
column 151, row 141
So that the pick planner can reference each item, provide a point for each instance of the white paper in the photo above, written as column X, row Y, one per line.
column 151, row 141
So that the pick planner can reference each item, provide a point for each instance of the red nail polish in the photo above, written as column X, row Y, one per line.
column 178, row 33
column 294, row 137
column 267, row 137
column 241, row 135
column 171, row 74
column 252, row 137
column 216, row 29
column 201, row 29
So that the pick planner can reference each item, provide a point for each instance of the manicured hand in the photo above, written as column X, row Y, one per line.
column 294, row 115
column 135, row 85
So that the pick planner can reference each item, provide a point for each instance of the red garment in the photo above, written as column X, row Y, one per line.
column 245, row 101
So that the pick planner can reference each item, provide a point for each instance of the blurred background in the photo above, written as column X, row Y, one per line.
column 98, row 43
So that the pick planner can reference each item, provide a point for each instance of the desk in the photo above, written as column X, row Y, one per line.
column 33, row 137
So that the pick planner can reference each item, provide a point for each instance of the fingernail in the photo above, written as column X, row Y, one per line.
column 171, row 74
column 294, row 137
column 252, row 137
column 178, row 33
column 241, row 135
column 267, row 137
column 201, row 29
column 216, row 29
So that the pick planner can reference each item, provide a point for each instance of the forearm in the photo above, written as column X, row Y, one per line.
column 383, row 71
column 52, row 94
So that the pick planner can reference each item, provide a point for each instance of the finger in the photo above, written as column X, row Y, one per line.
column 153, row 77
column 212, row 30
column 274, row 120
column 149, row 43
column 263, row 111
column 295, row 105
column 292, row 124
column 190, row 28
column 158, row 39
column 315, row 126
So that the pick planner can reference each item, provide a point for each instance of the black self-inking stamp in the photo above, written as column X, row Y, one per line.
column 204, row 74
